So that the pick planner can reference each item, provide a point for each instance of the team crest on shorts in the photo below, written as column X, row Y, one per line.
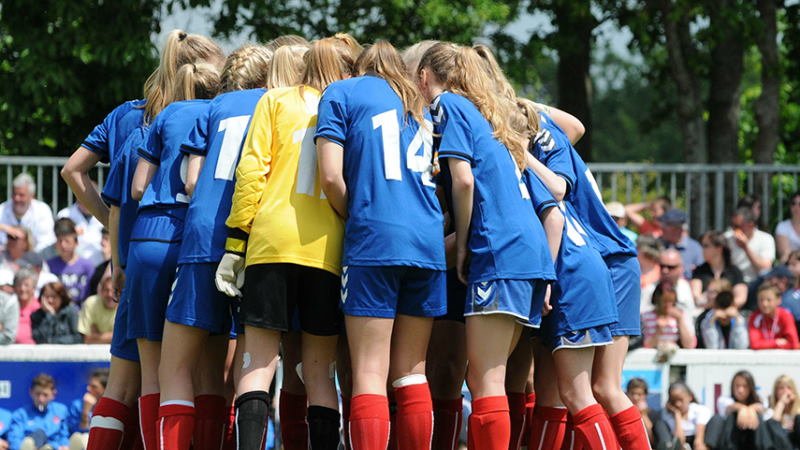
column 484, row 297
column 345, row 277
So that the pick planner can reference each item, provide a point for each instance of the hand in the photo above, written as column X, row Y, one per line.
column 48, row 307
column 700, row 446
column 14, row 232
column 674, row 312
column 781, row 342
column 462, row 264
column 118, row 282
column 63, row 447
column 89, row 401
column 642, row 407
column 740, row 238
column 230, row 275
column 719, row 315
column 787, row 398
column 546, row 307
column 4, row 444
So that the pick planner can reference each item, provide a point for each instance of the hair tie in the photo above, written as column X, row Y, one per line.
column 194, row 68
column 181, row 36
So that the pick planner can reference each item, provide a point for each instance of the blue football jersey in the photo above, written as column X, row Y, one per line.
column 394, row 215
column 551, row 146
column 505, row 231
column 167, row 189
column 218, row 135
column 117, row 189
column 107, row 137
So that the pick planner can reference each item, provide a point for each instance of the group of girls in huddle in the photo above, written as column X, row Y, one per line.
column 320, row 191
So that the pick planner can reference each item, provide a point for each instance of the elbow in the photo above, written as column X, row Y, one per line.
column 463, row 182
column 137, row 193
column 329, row 182
column 560, row 192
column 578, row 131
column 555, row 222
column 190, row 186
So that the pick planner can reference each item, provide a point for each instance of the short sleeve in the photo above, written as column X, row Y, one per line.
column 332, row 123
column 553, row 149
column 98, row 140
column 112, row 189
column 456, row 133
column 540, row 196
column 85, row 316
column 151, row 149
column 197, row 141
column 703, row 414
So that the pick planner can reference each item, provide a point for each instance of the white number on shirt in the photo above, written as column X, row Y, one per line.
column 522, row 188
column 596, row 189
column 181, row 196
column 575, row 231
column 416, row 162
column 307, row 164
column 234, row 128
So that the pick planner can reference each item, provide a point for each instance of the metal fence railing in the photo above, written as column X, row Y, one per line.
column 708, row 192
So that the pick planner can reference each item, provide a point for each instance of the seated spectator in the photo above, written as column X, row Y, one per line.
column 752, row 250
column 784, row 408
column 25, row 291
column 753, row 203
column 685, row 418
column 667, row 325
column 18, row 248
column 771, row 326
column 791, row 298
column 7, row 281
column 739, row 415
column 25, row 211
column 779, row 276
column 103, row 268
column 723, row 327
column 787, row 233
column 656, row 208
column 717, row 264
column 617, row 211
column 43, row 421
column 5, row 422
column 657, row 431
column 96, row 321
column 80, row 410
column 648, row 253
column 714, row 288
column 671, row 272
column 56, row 322
column 9, row 318
column 675, row 236
column 89, row 232
column 73, row 271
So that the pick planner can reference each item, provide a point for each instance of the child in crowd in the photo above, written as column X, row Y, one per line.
column 739, row 415
column 41, row 422
column 657, row 431
column 685, row 417
column 723, row 326
column 73, row 270
column 667, row 325
column 96, row 320
column 791, row 298
column 771, row 326
column 80, row 410
column 784, row 408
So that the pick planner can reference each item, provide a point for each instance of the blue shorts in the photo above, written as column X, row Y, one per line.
column 589, row 337
column 456, row 295
column 196, row 302
column 151, row 274
column 385, row 291
column 121, row 346
column 522, row 299
column 237, row 328
column 626, row 278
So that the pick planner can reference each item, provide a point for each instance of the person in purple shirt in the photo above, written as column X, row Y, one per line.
column 41, row 422
column 73, row 271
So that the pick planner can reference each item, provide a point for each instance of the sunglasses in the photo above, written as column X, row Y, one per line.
column 668, row 267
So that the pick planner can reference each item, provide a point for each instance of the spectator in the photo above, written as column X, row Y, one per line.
column 752, row 250
column 96, row 321
column 787, row 233
column 657, row 431
column 18, row 249
column 791, row 298
column 685, row 418
column 648, row 253
column 771, row 326
column 657, row 209
column 7, row 281
column 9, row 318
column 5, row 422
column 724, row 327
column 25, row 290
column 717, row 257
column 674, row 236
column 89, row 230
column 671, row 272
column 25, row 211
column 617, row 211
column 103, row 267
column 80, row 411
column 43, row 421
column 73, row 271
column 739, row 415
column 56, row 322
column 784, row 408
column 752, row 203
column 714, row 288
column 667, row 325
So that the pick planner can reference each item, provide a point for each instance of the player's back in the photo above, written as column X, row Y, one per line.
column 394, row 215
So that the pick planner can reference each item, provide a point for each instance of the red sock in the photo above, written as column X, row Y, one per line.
column 414, row 423
column 230, row 428
column 133, row 438
column 346, row 421
column 630, row 429
column 530, row 404
column 547, row 430
column 489, row 424
column 110, row 419
column 175, row 425
column 211, row 418
column 570, row 440
column 516, row 412
column 294, row 428
column 593, row 428
column 369, row 422
column 148, row 417
column 446, row 424
column 392, row 421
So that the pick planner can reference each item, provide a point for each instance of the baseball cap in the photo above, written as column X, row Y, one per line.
column 673, row 216
column 616, row 209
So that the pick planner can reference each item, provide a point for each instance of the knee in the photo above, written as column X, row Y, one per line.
column 602, row 391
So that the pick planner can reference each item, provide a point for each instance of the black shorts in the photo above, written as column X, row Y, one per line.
column 272, row 293
column 456, row 298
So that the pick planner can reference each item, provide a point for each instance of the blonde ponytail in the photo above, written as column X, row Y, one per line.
column 287, row 66
column 328, row 60
column 196, row 81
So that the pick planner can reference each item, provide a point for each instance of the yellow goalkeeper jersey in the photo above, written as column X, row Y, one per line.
column 278, row 199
